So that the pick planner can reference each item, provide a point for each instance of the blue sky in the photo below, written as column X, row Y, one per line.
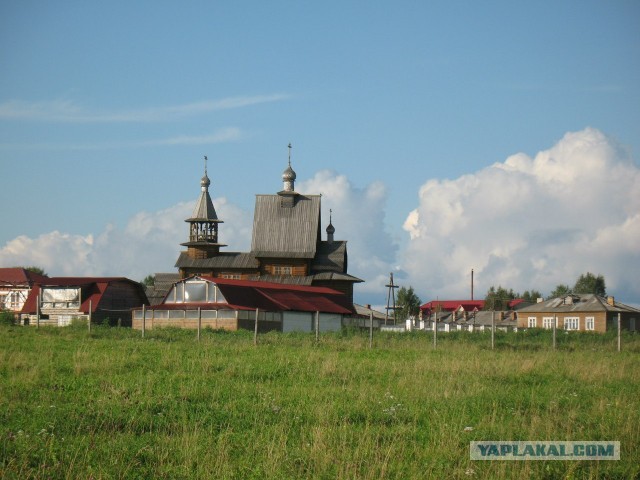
column 107, row 108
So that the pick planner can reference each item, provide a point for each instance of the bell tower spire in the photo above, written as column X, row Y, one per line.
column 203, row 224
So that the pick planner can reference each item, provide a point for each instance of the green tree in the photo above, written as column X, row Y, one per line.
column 499, row 298
column 589, row 283
column 561, row 290
column 408, row 303
column 34, row 269
column 149, row 281
column 531, row 296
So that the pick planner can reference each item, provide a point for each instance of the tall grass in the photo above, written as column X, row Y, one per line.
column 109, row 404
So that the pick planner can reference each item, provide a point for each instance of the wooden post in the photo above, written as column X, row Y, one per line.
column 435, row 331
column 370, row 329
column 555, row 322
column 619, row 329
column 89, row 317
column 493, row 328
column 255, row 330
column 144, row 318
column 317, row 326
column 38, row 311
column 199, row 321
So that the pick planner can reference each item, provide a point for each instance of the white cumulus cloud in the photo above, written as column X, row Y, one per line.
column 523, row 223
column 530, row 222
column 359, row 218
column 148, row 243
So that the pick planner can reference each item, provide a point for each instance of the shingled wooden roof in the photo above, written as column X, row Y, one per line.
column 281, row 231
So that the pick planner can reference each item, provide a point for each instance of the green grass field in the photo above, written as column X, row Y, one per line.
column 110, row 404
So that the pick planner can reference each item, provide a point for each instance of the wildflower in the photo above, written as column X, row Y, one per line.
column 469, row 472
column 468, row 429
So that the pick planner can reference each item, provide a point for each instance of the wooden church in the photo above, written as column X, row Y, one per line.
column 286, row 244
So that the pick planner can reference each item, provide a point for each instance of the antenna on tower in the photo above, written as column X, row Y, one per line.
column 391, row 294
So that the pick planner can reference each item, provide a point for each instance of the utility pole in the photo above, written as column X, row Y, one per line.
column 391, row 294
column 472, row 284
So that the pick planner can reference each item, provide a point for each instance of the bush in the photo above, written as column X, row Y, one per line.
column 7, row 317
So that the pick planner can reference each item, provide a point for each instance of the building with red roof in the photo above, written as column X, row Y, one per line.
column 451, row 306
column 231, row 304
column 15, row 285
column 59, row 300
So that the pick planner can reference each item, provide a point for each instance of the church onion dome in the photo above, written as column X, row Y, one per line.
column 205, row 182
column 288, row 175
column 331, row 229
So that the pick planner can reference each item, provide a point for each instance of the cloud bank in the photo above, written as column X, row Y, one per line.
column 148, row 243
column 524, row 223
column 530, row 222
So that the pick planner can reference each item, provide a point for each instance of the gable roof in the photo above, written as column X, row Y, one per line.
column 451, row 305
column 286, row 231
column 578, row 303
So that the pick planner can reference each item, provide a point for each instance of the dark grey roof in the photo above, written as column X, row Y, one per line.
column 331, row 256
column 333, row 276
column 162, row 284
column 238, row 260
column 483, row 317
column 280, row 231
column 578, row 303
column 363, row 310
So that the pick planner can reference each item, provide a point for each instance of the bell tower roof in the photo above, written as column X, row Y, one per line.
column 204, row 210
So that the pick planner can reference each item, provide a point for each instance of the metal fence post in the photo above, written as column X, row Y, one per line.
column 255, row 328
column 199, row 321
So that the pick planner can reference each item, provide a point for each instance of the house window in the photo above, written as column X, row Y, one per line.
column 532, row 322
column 282, row 269
column 590, row 323
column 232, row 276
column 572, row 323
column 547, row 322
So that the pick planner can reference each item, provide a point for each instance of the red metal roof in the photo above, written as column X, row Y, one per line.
column 249, row 294
column 95, row 287
column 452, row 305
column 19, row 276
